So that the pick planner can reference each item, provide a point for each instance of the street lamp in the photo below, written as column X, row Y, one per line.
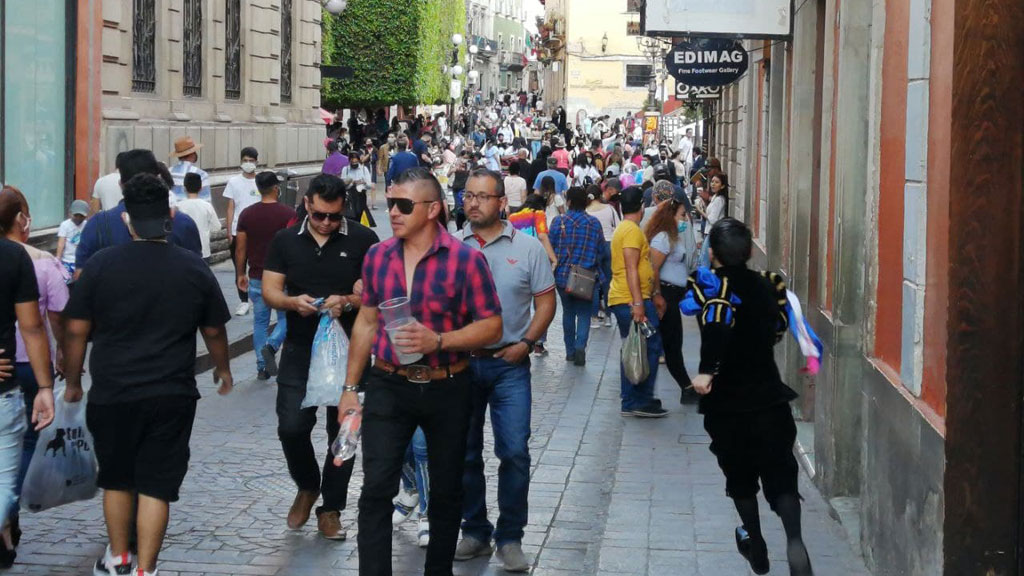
column 334, row 6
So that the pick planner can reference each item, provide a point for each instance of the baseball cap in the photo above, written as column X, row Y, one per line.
column 631, row 200
column 266, row 180
column 80, row 207
column 145, row 200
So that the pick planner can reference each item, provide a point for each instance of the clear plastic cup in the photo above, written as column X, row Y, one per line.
column 403, row 358
column 396, row 314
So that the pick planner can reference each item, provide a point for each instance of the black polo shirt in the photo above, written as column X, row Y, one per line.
column 319, row 271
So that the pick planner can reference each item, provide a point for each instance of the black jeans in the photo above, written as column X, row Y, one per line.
column 672, row 334
column 294, row 426
column 392, row 410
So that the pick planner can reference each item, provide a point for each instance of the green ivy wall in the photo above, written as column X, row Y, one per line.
column 396, row 48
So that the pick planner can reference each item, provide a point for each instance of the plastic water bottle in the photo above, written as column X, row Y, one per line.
column 345, row 444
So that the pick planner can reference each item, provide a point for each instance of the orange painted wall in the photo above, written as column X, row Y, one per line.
column 940, row 164
column 889, row 315
column 87, row 96
column 830, row 265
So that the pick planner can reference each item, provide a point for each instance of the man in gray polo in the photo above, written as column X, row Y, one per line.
column 501, row 375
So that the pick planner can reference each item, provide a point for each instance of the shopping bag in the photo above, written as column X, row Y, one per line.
column 63, row 466
column 634, row 356
column 327, row 365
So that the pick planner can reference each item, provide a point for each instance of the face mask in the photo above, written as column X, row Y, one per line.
column 681, row 226
column 355, row 166
column 248, row 167
column 645, row 163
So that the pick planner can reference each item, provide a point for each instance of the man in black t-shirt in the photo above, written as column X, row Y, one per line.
column 142, row 302
column 321, row 257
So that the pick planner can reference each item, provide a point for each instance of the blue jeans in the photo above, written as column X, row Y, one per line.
column 506, row 388
column 26, row 379
column 635, row 397
column 261, row 323
column 575, row 321
column 13, row 424
column 415, row 471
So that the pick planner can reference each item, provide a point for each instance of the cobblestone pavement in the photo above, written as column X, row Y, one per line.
column 609, row 495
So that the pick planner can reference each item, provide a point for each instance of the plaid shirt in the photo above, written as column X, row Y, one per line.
column 452, row 288
column 577, row 238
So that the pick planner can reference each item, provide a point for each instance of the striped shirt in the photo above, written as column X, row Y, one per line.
column 178, row 172
column 452, row 287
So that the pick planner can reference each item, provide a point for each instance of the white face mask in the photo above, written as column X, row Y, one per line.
column 248, row 167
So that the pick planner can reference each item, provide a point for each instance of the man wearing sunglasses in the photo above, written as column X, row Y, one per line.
column 455, row 308
column 501, row 373
column 321, row 257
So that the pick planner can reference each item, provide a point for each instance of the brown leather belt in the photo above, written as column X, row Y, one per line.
column 487, row 352
column 421, row 374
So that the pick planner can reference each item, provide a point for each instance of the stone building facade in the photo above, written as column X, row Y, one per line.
column 228, row 73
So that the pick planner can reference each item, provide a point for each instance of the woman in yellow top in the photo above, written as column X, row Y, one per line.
column 631, row 300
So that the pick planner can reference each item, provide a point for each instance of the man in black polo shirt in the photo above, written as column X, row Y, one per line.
column 321, row 257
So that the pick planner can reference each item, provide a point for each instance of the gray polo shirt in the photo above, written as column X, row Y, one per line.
column 521, row 270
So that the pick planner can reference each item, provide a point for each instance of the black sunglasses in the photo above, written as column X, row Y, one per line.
column 321, row 216
column 405, row 205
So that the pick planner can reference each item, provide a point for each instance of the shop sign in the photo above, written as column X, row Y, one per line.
column 686, row 92
column 707, row 62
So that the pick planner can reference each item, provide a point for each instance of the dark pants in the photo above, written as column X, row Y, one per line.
column 752, row 446
column 294, row 426
column 392, row 410
column 672, row 334
column 242, row 295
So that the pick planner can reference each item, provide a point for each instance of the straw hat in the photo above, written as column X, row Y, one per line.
column 185, row 146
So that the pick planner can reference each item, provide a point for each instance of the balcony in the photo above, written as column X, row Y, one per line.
column 486, row 48
column 511, row 61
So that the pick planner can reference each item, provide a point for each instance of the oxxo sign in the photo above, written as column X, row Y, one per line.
column 707, row 62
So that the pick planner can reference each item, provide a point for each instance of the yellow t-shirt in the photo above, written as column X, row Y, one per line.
column 629, row 235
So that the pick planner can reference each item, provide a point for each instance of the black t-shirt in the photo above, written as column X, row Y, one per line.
column 146, row 300
column 319, row 271
column 17, row 286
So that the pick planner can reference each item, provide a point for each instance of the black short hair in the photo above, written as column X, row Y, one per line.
column 138, row 161
column 513, row 169
column 499, row 182
column 545, row 150
column 329, row 188
column 535, row 202
column 576, row 197
column 631, row 200
column 415, row 175
column 165, row 174
column 249, row 152
column 731, row 241
column 332, row 146
column 193, row 182
column 119, row 160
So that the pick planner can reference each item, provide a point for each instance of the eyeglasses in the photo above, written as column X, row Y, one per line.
column 405, row 205
column 321, row 216
column 471, row 197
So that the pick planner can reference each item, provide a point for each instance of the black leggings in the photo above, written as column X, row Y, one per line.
column 671, row 327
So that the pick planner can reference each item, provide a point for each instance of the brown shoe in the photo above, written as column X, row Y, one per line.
column 329, row 524
column 299, row 514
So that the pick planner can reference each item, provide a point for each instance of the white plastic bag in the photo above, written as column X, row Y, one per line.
column 634, row 356
column 63, row 466
column 327, row 365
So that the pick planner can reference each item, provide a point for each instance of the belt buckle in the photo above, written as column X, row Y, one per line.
column 417, row 373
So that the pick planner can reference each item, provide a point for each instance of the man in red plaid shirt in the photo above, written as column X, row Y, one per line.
column 455, row 306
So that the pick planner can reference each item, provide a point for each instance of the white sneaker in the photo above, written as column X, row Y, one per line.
column 423, row 533
column 107, row 565
column 243, row 309
column 608, row 321
column 406, row 506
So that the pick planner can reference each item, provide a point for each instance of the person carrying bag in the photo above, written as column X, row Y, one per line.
column 578, row 242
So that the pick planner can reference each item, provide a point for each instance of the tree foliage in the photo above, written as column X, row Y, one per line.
column 396, row 49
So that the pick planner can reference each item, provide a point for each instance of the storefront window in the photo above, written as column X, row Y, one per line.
column 35, row 106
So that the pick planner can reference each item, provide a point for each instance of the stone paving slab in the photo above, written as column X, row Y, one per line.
column 609, row 495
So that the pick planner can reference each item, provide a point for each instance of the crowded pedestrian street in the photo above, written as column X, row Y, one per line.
column 608, row 496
